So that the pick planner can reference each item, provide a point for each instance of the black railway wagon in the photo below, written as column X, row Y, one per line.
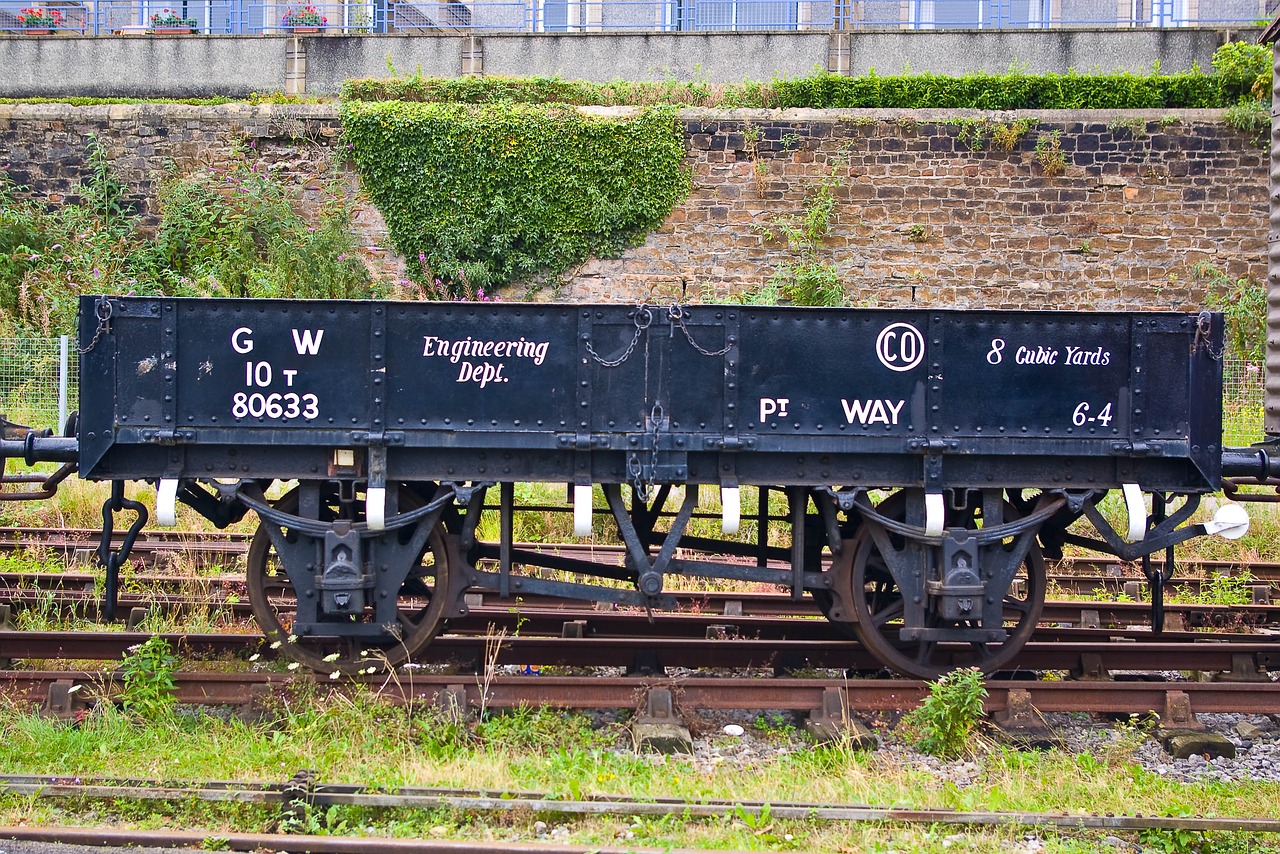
column 930, row 458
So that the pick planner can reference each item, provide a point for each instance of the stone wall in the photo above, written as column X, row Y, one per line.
column 923, row 212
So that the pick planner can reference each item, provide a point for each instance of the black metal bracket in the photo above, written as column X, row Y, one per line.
column 649, row 572
column 1160, row 535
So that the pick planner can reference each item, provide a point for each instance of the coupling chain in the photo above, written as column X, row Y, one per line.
column 641, row 481
column 677, row 314
column 643, row 318
column 103, row 312
column 1204, row 324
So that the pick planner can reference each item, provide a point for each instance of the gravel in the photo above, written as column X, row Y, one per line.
column 1256, row 737
column 1257, row 758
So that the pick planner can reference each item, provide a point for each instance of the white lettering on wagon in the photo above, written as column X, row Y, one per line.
column 307, row 343
column 261, row 376
column 872, row 411
column 462, row 352
column 773, row 406
column 900, row 347
column 1045, row 355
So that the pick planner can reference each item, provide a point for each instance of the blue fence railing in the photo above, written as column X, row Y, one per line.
column 239, row 17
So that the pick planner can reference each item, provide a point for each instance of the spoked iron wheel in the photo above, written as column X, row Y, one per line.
column 879, row 608
column 274, row 601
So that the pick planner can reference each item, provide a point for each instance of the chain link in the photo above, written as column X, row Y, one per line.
column 1204, row 325
column 641, row 482
column 643, row 319
column 677, row 315
column 103, row 311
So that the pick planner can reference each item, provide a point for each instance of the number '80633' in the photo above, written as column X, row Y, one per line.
column 275, row 405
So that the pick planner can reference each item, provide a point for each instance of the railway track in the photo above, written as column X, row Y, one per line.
column 733, row 631
column 188, row 549
column 1175, row 702
column 747, row 613
column 319, row 794
column 1091, row 653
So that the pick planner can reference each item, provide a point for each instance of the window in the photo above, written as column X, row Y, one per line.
column 737, row 15
column 1166, row 13
column 973, row 14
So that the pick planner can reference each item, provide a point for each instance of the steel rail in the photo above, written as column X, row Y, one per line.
column 1173, row 701
column 324, row 795
column 1071, row 571
column 304, row 844
column 695, row 617
column 1085, row 651
column 79, row 590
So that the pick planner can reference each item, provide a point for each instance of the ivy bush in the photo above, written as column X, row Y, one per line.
column 490, row 193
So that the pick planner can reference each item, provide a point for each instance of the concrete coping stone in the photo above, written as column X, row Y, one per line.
column 330, row 110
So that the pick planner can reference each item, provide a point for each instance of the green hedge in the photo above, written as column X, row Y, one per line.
column 1008, row 91
column 824, row 91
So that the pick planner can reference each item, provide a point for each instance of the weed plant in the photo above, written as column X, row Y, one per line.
column 946, row 723
column 236, row 232
column 147, row 672
column 223, row 232
column 808, row 279
column 1243, row 302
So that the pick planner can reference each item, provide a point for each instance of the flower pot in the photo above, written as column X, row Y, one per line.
column 171, row 31
column 301, row 31
column 35, row 31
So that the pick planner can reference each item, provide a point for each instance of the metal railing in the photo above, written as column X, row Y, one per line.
column 241, row 17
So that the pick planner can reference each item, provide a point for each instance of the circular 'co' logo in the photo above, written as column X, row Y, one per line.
column 900, row 346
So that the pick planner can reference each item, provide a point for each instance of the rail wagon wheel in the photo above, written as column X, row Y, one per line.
column 878, row 607
column 274, row 602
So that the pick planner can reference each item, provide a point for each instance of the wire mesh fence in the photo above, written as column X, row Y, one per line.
column 1242, row 402
column 39, row 382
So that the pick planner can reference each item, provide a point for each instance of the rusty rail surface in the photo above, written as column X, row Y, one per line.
column 1087, row 651
column 1175, row 702
column 746, row 615
column 324, row 795
column 1082, row 574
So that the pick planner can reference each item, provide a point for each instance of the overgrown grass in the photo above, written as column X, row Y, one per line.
column 356, row 739
column 232, row 231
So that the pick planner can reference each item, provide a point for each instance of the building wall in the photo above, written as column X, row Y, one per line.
column 922, row 213
column 235, row 66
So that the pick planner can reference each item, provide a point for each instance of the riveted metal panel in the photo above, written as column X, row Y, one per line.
column 483, row 368
column 832, row 373
column 257, row 367
column 1037, row 375
column 613, row 393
